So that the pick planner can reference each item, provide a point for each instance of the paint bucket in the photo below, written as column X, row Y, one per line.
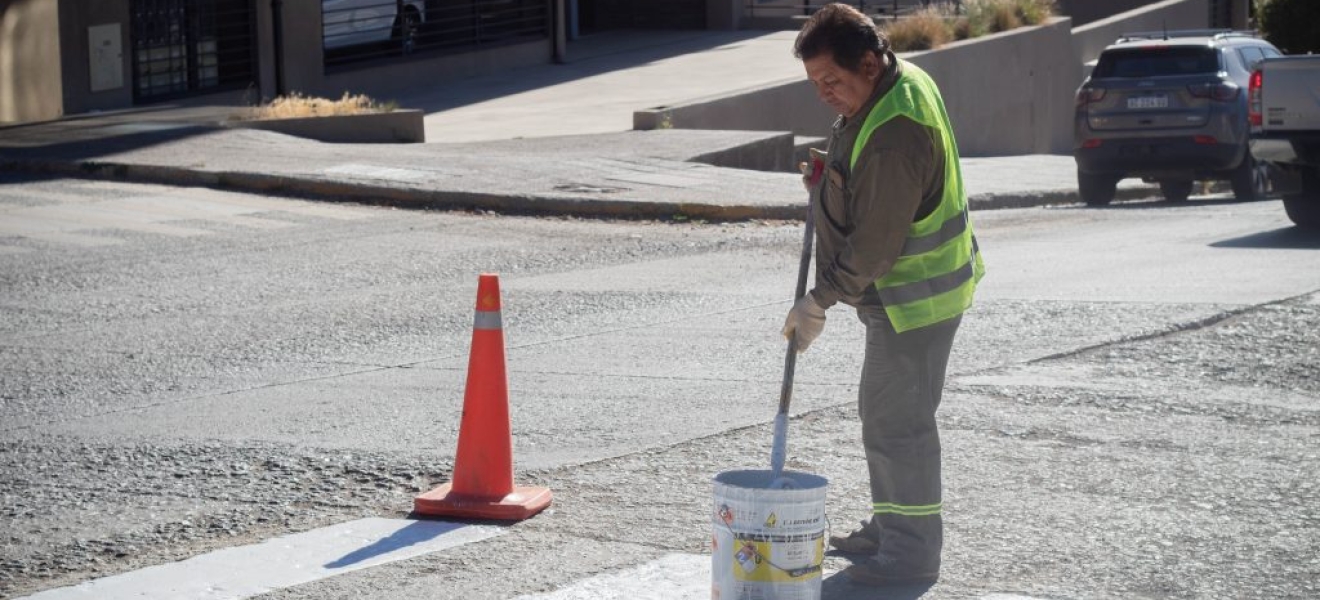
column 768, row 542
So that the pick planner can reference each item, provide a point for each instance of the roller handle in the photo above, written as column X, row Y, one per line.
column 779, row 447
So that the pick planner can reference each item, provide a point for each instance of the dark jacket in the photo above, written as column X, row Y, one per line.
column 865, row 211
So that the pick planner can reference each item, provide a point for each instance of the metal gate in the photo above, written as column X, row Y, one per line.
column 369, row 31
column 887, row 8
column 191, row 47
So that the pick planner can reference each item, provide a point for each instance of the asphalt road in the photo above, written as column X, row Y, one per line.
column 1133, row 410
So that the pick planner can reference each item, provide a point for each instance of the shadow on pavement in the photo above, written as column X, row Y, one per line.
column 415, row 533
column 839, row 587
column 18, row 178
column 592, row 55
column 1157, row 201
column 1289, row 238
column 90, row 135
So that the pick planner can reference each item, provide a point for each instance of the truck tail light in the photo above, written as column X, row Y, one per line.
column 1253, row 98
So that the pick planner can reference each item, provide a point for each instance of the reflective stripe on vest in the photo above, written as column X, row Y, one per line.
column 935, row 276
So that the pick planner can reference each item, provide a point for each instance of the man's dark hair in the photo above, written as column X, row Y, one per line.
column 842, row 31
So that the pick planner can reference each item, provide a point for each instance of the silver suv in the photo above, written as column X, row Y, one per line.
column 1169, row 107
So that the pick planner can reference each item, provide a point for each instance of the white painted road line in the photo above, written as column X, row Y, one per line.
column 670, row 577
column 282, row 562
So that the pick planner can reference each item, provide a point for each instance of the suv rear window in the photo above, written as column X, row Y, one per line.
column 1156, row 62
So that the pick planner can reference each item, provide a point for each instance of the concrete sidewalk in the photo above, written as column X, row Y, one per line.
column 551, row 139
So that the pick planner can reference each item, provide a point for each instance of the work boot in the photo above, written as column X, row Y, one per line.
column 885, row 570
column 865, row 541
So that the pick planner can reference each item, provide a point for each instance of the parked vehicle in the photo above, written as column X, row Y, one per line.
column 1284, row 104
column 1169, row 107
column 347, row 23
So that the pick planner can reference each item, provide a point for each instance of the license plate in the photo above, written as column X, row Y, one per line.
column 1148, row 102
column 1137, row 150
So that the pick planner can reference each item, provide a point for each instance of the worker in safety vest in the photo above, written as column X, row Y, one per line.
column 894, row 241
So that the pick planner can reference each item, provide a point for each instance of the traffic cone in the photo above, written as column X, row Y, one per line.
column 482, row 486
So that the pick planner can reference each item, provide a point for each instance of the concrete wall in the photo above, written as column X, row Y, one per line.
column 1091, row 39
column 1010, row 93
column 1089, row 11
column 76, row 18
column 30, row 86
column 789, row 105
column 1007, row 94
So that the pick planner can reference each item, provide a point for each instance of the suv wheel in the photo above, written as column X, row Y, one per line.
column 1250, row 180
column 1097, row 189
column 1176, row 190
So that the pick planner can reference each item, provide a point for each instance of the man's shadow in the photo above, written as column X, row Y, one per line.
column 839, row 587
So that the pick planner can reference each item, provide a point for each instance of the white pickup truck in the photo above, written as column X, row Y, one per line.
column 1284, row 110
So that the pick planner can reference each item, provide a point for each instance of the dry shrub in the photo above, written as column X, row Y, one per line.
column 298, row 105
column 961, row 27
column 1034, row 12
column 994, row 16
column 943, row 22
column 1001, row 16
column 925, row 29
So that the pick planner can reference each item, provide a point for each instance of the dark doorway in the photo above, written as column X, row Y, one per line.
column 605, row 15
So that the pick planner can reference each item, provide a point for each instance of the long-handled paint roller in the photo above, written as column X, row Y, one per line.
column 779, row 448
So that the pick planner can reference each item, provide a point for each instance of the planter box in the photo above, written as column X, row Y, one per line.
column 399, row 126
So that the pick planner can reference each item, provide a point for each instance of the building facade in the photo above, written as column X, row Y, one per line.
column 65, row 57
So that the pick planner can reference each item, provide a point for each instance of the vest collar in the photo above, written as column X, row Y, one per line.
column 882, row 87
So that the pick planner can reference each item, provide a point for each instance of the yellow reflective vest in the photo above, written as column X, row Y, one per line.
column 936, row 274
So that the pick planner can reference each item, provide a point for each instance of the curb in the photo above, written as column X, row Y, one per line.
column 1033, row 199
column 336, row 191
column 586, row 207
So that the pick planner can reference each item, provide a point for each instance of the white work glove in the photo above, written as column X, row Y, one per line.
column 805, row 322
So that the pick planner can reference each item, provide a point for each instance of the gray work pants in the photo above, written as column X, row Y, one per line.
column 902, row 382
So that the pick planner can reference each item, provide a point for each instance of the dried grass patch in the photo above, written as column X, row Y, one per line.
column 299, row 106
column 941, row 23
column 925, row 29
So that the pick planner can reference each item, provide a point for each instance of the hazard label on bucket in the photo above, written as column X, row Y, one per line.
column 777, row 560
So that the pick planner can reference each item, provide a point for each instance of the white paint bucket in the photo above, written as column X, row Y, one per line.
column 768, row 544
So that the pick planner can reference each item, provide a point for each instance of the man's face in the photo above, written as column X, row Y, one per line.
column 843, row 90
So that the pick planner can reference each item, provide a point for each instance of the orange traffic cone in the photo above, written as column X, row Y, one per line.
column 483, row 468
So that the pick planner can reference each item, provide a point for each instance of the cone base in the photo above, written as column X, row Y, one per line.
column 522, row 503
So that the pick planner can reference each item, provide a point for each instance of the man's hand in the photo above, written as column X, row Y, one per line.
column 812, row 170
column 805, row 322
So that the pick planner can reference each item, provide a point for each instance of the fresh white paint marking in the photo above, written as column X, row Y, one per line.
column 670, row 577
column 282, row 562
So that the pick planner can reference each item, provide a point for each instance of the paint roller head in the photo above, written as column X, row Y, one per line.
column 783, row 483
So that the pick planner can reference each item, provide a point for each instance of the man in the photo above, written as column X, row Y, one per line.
column 894, row 241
